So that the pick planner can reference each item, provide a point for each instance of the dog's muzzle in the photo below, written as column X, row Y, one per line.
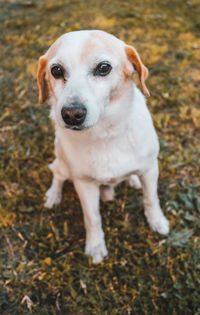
column 74, row 115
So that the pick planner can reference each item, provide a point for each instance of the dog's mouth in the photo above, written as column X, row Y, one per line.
column 76, row 128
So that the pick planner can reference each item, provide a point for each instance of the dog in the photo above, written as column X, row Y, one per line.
column 103, row 130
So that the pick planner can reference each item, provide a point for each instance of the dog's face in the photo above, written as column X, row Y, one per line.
column 84, row 73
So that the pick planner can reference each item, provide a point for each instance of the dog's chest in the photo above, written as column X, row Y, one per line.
column 106, row 162
column 110, row 163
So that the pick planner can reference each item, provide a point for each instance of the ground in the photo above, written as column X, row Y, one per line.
column 43, row 268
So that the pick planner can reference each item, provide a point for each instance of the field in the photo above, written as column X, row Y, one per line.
column 43, row 268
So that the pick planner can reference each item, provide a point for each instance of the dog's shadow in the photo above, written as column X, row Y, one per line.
column 122, row 219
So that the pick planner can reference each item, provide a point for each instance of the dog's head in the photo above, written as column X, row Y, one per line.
column 84, row 73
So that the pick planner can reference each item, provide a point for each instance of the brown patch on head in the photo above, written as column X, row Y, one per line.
column 87, row 48
column 117, row 93
column 126, row 73
column 143, row 72
column 96, row 42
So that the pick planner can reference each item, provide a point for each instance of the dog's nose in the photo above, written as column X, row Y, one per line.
column 74, row 115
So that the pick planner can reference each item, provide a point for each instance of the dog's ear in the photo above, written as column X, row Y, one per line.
column 41, row 80
column 143, row 72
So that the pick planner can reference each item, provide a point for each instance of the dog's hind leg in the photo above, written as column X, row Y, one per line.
column 107, row 193
column 153, row 212
column 135, row 182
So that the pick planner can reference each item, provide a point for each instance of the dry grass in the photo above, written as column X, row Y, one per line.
column 43, row 269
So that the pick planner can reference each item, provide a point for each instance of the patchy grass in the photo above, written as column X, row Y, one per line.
column 43, row 269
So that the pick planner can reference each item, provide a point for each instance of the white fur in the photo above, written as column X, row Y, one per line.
column 118, row 143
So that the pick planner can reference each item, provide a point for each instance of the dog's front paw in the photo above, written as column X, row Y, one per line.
column 53, row 197
column 159, row 224
column 98, row 252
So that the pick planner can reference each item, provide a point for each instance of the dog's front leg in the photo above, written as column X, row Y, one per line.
column 88, row 193
column 60, row 174
column 153, row 212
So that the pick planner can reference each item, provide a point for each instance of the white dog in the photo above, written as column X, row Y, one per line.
column 104, row 131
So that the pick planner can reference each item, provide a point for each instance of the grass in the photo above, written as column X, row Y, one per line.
column 43, row 268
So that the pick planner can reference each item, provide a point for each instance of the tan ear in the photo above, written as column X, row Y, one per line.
column 143, row 72
column 41, row 80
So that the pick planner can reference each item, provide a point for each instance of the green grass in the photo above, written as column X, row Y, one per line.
column 42, row 260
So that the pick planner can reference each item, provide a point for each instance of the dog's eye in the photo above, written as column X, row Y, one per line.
column 57, row 72
column 102, row 69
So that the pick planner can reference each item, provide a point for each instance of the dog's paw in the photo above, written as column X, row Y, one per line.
column 159, row 224
column 98, row 252
column 53, row 197
column 135, row 182
column 107, row 193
